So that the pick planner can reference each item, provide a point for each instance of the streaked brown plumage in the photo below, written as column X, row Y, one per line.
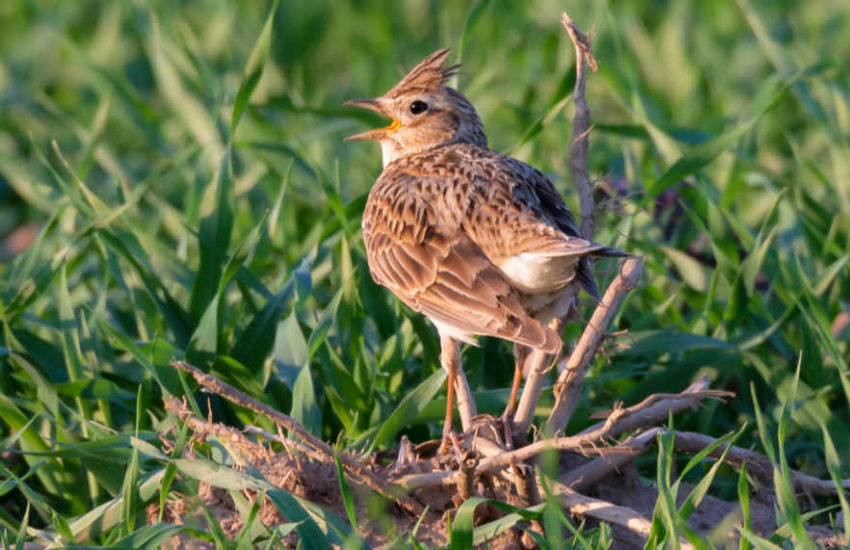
column 481, row 243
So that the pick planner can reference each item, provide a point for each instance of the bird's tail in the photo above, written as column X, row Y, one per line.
column 584, row 274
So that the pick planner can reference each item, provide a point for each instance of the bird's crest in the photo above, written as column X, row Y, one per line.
column 428, row 75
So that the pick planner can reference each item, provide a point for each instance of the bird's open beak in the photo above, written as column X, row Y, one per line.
column 376, row 134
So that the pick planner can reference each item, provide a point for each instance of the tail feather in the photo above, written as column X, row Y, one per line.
column 608, row 252
column 584, row 275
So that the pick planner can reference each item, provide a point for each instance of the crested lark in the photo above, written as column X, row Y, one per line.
column 481, row 243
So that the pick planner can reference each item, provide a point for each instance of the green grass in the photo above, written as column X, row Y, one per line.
column 183, row 166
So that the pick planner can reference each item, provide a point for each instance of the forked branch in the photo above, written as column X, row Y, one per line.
column 568, row 385
column 581, row 124
column 536, row 363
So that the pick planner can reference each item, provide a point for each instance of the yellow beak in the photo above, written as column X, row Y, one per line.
column 378, row 133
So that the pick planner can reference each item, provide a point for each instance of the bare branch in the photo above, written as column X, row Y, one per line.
column 581, row 505
column 536, row 365
column 581, row 125
column 351, row 464
column 568, row 385
column 757, row 464
column 536, row 362
column 657, row 407
column 588, row 474
column 465, row 402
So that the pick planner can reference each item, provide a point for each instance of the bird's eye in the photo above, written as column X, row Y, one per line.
column 418, row 107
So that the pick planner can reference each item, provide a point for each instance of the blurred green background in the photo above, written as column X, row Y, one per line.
column 139, row 224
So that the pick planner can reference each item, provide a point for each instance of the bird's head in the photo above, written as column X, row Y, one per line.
column 425, row 113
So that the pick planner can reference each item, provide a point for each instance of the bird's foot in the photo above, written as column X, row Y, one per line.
column 450, row 439
column 507, row 423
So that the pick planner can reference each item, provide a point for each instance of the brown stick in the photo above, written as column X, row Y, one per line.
column 465, row 402
column 581, row 125
column 351, row 464
column 536, row 363
column 229, row 435
column 602, row 510
column 568, row 385
column 757, row 464
column 657, row 407
column 619, row 421
column 651, row 410
column 589, row 474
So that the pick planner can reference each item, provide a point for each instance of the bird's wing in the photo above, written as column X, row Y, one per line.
column 416, row 249
column 524, row 207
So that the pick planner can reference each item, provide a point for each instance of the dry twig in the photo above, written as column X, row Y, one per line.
column 651, row 410
column 535, row 363
column 758, row 464
column 658, row 406
column 581, row 124
column 627, row 280
column 231, row 437
column 589, row 474
column 581, row 505
column 568, row 385
column 536, row 367
column 351, row 464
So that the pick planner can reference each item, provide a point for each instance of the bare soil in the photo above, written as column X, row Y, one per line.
column 715, row 519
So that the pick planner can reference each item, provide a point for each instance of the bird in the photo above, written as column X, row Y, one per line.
column 479, row 242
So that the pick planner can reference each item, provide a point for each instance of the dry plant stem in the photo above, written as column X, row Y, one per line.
column 758, row 464
column 651, row 410
column 657, row 407
column 537, row 364
column 589, row 474
column 290, row 443
column 581, row 125
column 568, row 385
column 351, row 464
column 228, row 435
column 465, row 402
column 581, row 505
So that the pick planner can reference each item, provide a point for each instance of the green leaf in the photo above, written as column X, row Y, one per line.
column 317, row 337
column 409, row 408
column 149, row 536
column 472, row 20
column 744, row 500
column 462, row 526
column 317, row 528
column 833, row 465
column 214, row 236
column 829, row 274
column 254, row 70
column 305, row 408
column 690, row 269
column 256, row 341
column 345, row 491
column 698, row 157
column 102, row 518
column 290, row 349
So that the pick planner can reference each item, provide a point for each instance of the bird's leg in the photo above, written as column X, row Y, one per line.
column 450, row 358
column 520, row 354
